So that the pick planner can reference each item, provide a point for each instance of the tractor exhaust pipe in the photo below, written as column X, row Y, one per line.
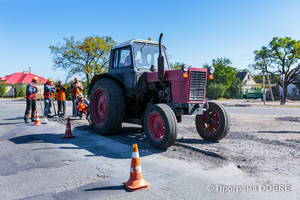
column 161, row 63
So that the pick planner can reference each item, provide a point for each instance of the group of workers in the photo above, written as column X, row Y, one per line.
column 80, row 104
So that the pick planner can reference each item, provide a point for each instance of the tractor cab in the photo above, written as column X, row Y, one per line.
column 132, row 60
column 140, row 55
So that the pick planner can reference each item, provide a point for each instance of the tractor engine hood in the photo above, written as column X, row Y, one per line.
column 187, row 87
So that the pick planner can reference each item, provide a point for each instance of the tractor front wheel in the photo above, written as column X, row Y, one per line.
column 160, row 126
column 217, row 127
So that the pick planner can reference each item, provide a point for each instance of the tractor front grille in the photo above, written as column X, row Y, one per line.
column 197, row 85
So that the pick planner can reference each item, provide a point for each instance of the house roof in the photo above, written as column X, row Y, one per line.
column 241, row 75
column 22, row 77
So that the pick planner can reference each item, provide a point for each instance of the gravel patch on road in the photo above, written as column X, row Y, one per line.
column 257, row 145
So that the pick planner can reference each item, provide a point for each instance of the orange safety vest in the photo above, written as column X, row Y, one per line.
column 78, row 90
column 81, row 107
column 60, row 93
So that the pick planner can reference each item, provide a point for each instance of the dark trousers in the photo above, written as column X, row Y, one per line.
column 30, row 105
column 61, row 104
column 79, row 113
column 74, row 113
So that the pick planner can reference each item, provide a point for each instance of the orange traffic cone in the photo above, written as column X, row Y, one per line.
column 37, row 119
column 29, row 116
column 136, row 181
column 68, row 133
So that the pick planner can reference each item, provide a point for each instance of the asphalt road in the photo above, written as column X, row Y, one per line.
column 252, row 110
column 36, row 163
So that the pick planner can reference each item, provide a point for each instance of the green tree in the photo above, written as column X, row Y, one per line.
column 224, row 74
column 176, row 65
column 242, row 70
column 235, row 88
column 3, row 88
column 22, row 91
column 215, row 90
column 280, row 56
column 89, row 56
column 16, row 90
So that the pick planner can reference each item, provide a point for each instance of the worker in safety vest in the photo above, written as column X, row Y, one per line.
column 76, row 89
column 82, row 106
column 31, row 94
column 61, row 97
column 49, row 90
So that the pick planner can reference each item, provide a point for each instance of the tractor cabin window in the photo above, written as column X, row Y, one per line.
column 116, row 58
column 146, row 55
column 125, row 58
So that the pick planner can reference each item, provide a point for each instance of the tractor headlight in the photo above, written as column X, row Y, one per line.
column 185, row 67
column 211, row 69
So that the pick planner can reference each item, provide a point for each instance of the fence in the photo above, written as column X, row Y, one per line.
column 253, row 95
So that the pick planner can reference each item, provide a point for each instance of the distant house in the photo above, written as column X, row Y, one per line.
column 20, row 78
column 247, row 80
column 291, row 90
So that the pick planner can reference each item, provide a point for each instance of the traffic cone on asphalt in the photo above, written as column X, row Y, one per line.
column 37, row 119
column 68, row 133
column 29, row 116
column 136, row 181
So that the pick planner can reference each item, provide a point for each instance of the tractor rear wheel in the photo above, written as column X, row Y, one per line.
column 160, row 126
column 107, row 108
column 219, row 126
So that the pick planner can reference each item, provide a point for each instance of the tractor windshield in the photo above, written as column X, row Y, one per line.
column 146, row 55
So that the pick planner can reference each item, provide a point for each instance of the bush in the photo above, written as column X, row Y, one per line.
column 254, row 90
column 22, row 92
column 16, row 90
column 215, row 90
column 234, row 89
column 3, row 88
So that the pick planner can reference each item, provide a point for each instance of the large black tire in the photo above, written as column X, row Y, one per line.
column 107, row 107
column 160, row 126
column 220, row 125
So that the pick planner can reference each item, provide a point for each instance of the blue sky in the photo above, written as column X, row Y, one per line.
column 195, row 32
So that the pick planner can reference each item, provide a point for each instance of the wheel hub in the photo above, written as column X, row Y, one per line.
column 156, row 126
column 101, row 106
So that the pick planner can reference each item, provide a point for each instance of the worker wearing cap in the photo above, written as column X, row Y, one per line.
column 31, row 93
column 76, row 89
column 49, row 89
column 61, row 96
column 82, row 106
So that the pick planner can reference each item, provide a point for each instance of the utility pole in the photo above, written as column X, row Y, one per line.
column 29, row 70
column 264, row 94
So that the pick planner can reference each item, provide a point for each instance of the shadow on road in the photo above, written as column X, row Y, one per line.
column 237, row 105
column 194, row 141
column 279, row 132
column 207, row 153
column 88, row 140
column 120, row 187
column 16, row 118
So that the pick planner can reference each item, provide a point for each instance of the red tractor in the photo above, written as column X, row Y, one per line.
column 140, row 88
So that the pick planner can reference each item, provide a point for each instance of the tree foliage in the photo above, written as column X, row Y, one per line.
column 16, row 90
column 89, row 56
column 223, row 77
column 176, row 65
column 22, row 91
column 215, row 90
column 3, row 88
column 280, row 56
